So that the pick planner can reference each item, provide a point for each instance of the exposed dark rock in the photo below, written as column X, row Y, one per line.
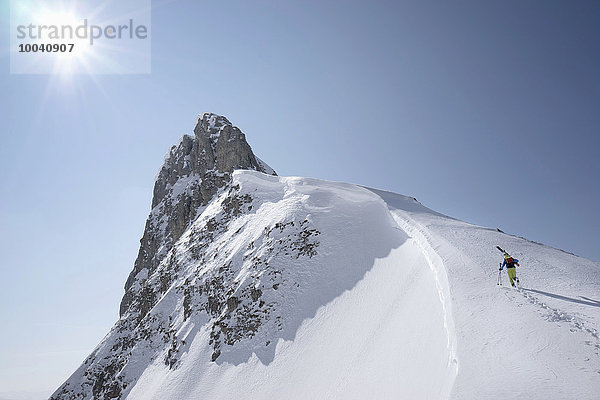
column 232, row 303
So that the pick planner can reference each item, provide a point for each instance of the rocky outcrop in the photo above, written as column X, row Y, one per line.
column 191, row 175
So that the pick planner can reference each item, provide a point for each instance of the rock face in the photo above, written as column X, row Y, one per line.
column 193, row 172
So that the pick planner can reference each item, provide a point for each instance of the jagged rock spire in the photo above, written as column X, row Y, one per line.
column 193, row 171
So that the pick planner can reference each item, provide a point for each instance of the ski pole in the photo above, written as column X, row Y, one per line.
column 500, row 275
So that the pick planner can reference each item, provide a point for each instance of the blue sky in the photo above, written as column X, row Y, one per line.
column 487, row 111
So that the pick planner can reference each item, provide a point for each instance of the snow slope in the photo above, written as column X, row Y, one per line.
column 298, row 288
column 421, row 317
column 541, row 342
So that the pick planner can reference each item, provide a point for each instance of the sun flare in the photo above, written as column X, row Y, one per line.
column 72, row 38
column 61, row 28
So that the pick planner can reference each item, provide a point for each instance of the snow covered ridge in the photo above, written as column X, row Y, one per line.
column 255, row 286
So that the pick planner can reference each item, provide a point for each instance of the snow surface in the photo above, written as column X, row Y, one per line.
column 397, row 302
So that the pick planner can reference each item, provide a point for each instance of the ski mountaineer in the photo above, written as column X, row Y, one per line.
column 511, row 270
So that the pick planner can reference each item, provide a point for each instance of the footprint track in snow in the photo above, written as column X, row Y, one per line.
column 556, row 315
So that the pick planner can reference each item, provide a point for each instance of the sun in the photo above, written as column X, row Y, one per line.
column 58, row 28
column 106, row 37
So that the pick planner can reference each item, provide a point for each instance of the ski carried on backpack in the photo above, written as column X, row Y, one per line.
column 500, row 248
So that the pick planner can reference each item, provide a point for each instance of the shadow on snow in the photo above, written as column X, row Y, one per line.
column 586, row 302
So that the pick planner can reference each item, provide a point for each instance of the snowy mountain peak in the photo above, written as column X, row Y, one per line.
column 250, row 285
column 209, row 123
column 193, row 172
